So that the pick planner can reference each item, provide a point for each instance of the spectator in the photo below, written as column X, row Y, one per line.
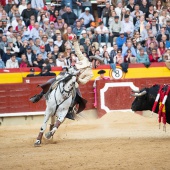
column 51, row 30
column 131, row 5
column 12, row 62
column 105, row 14
column 162, row 31
column 2, row 65
column 154, row 57
column 118, row 9
column 88, row 18
column 107, row 59
column 118, row 59
column 37, row 5
column 114, row 29
column 7, row 54
column 59, row 24
column 55, row 52
column 129, row 58
column 66, row 35
column 77, row 7
column 3, row 42
column 24, row 62
column 144, row 7
column 128, row 46
column 121, row 40
column 84, row 36
column 78, row 29
column 49, row 47
column 100, row 7
column 140, row 24
column 39, row 62
column 137, row 9
column 161, row 48
column 61, row 60
column 42, row 52
column 114, row 51
column 22, row 6
column 32, row 73
column 35, row 31
column 155, row 27
column 30, row 56
column 27, row 13
column 167, row 42
column 69, row 17
column 127, row 26
column 102, row 32
column 142, row 57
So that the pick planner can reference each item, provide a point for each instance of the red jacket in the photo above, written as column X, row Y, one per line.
column 153, row 59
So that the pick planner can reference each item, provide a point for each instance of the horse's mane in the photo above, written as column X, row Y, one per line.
column 67, row 78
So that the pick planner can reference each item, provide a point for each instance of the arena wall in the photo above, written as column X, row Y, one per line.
column 14, row 97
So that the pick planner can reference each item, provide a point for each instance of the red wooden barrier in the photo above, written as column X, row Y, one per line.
column 116, row 98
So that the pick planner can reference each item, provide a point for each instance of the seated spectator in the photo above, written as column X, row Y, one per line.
column 162, row 31
column 32, row 73
column 77, row 29
column 141, row 57
column 129, row 45
column 166, row 56
column 149, row 12
column 61, row 60
column 102, row 32
column 114, row 51
column 88, row 18
column 155, row 27
column 112, row 17
column 105, row 14
column 51, row 62
column 30, row 56
column 50, row 45
column 161, row 48
column 22, row 6
column 55, row 52
column 7, row 55
column 24, row 62
column 106, row 57
column 39, row 62
column 59, row 24
column 35, row 31
column 150, row 40
column 2, row 65
column 167, row 42
column 154, row 57
column 57, row 33
column 121, row 40
column 67, row 34
column 140, row 24
column 131, row 5
column 118, row 59
column 84, row 36
column 12, row 62
column 51, row 30
column 144, row 7
column 42, row 52
column 136, row 9
column 129, row 58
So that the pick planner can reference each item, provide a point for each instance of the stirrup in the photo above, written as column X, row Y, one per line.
column 70, row 115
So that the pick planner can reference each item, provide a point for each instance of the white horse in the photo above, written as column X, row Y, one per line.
column 58, row 103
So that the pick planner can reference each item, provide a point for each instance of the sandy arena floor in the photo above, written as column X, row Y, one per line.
column 121, row 140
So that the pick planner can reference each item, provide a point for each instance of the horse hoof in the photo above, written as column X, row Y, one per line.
column 48, row 135
column 37, row 143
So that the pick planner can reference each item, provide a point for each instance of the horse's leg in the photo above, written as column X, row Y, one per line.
column 52, row 122
column 43, row 127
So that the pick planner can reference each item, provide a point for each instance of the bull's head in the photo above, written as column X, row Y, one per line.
column 141, row 101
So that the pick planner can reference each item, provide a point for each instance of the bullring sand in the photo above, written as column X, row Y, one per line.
column 119, row 140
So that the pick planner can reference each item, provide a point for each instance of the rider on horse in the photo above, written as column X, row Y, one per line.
column 83, row 65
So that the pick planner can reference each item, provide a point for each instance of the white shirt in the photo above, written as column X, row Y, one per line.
column 98, row 29
column 127, row 26
column 11, row 64
column 15, row 23
column 118, row 11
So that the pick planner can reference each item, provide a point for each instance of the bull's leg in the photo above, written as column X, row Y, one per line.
column 43, row 127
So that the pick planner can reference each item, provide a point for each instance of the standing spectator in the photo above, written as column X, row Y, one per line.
column 77, row 7
column 131, row 5
column 88, row 18
column 127, row 26
column 12, row 62
column 102, row 32
column 69, row 17
column 22, row 6
column 27, row 13
column 100, row 6
column 114, row 29
column 37, row 4
column 105, row 14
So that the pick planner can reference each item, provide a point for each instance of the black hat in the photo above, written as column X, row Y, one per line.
column 101, row 72
column 32, row 70
column 126, row 16
column 116, row 17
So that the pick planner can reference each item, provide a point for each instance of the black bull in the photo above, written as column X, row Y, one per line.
column 145, row 100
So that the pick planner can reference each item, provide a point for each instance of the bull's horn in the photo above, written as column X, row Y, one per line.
column 135, row 91
column 139, row 94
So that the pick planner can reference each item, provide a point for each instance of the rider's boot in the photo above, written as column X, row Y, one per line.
column 37, row 97
column 70, row 113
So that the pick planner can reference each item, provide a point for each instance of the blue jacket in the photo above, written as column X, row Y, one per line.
column 2, row 65
column 120, row 41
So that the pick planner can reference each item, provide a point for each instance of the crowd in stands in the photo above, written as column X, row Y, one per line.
column 36, row 34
